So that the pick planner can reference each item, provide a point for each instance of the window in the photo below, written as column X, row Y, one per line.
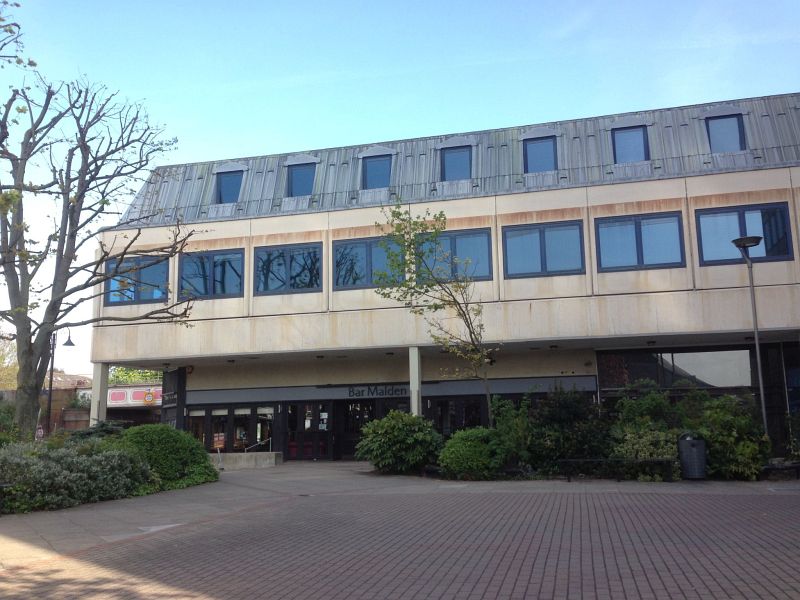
column 212, row 274
column 301, row 179
column 547, row 249
column 376, row 171
column 630, row 144
column 140, row 280
column 639, row 242
column 456, row 163
column 717, row 227
column 540, row 154
column 288, row 269
column 358, row 263
column 725, row 134
column 228, row 187
column 461, row 253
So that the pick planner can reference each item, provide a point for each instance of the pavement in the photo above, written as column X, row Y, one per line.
column 337, row 530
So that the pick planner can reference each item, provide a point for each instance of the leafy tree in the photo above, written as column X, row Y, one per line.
column 126, row 375
column 439, row 287
column 8, row 365
column 75, row 149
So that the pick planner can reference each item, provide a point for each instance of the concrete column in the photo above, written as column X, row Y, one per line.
column 415, row 379
column 97, row 412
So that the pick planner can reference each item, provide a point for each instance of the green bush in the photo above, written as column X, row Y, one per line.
column 399, row 443
column 514, row 432
column 646, row 442
column 472, row 454
column 176, row 459
column 567, row 425
column 736, row 445
column 652, row 407
column 43, row 478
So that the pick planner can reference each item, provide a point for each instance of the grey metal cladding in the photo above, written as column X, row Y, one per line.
column 677, row 139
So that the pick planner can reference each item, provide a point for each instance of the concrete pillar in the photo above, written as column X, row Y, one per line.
column 415, row 380
column 97, row 412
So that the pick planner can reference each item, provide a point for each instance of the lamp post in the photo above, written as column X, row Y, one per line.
column 68, row 343
column 743, row 243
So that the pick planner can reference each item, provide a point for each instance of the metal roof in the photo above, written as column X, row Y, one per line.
column 677, row 137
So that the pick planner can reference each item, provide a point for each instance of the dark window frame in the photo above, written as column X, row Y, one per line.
column 455, row 233
column 645, row 141
column 107, row 291
column 286, row 249
column 442, row 154
column 289, row 183
column 525, row 142
column 542, row 227
column 740, row 124
column 369, row 242
column 637, row 220
column 209, row 253
column 740, row 211
column 364, row 161
column 218, row 186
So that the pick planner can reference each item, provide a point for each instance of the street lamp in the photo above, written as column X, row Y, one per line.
column 743, row 243
column 69, row 343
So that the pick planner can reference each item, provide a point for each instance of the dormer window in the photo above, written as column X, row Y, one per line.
column 630, row 144
column 301, row 179
column 376, row 171
column 456, row 163
column 229, row 186
column 726, row 133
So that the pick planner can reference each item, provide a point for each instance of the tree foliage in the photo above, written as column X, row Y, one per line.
column 424, row 276
column 128, row 376
column 8, row 365
column 71, row 154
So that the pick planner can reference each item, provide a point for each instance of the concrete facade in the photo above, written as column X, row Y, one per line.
column 546, row 326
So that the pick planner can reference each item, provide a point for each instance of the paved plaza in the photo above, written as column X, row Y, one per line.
column 338, row 531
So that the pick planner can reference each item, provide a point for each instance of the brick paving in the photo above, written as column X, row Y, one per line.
column 334, row 531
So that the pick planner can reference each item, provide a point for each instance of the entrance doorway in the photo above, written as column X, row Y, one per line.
column 308, row 430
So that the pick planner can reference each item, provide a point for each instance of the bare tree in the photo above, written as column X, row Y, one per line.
column 424, row 276
column 74, row 149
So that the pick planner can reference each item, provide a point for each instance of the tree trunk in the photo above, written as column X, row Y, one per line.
column 27, row 400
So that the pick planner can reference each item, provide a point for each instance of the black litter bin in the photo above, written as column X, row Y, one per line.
column 692, row 452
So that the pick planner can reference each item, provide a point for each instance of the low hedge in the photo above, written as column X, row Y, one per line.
column 45, row 478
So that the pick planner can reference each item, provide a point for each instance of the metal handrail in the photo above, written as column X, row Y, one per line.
column 260, row 444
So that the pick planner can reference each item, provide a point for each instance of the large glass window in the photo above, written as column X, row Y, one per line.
column 228, row 187
column 460, row 253
column 376, row 171
column 288, row 269
column 212, row 274
column 540, row 154
column 140, row 279
column 358, row 263
column 639, row 242
column 725, row 134
column 718, row 227
column 630, row 144
column 546, row 249
column 301, row 179
column 456, row 163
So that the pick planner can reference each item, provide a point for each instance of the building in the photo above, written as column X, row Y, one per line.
column 602, row 253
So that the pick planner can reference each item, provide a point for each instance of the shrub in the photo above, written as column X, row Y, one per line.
column 737, row 447
column 176, row 459
column 644, row 442
column 514, row 431
column 652, row 407
column 472, row 454
column 43, row 478
column 399, row 443
column 567, row 424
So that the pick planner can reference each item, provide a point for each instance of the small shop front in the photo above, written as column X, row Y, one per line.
column 304, row 422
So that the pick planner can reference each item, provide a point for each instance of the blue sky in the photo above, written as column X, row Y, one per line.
column 233, row 79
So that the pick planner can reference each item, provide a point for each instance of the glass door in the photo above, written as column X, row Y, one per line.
column 308, row 430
